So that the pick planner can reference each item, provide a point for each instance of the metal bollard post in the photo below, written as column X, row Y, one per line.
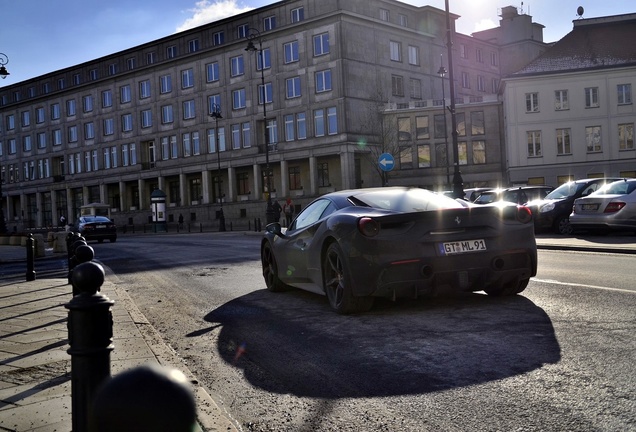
column 200, row 227
column 30, row 255
column 259, row 225
column 72, row 262
column 90, row 334
column 83, row 253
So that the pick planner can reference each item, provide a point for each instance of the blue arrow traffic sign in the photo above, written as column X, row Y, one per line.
column 386, row 161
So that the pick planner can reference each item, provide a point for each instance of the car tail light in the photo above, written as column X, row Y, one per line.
column 368, row 226
column 524, row 214
column 613, row 207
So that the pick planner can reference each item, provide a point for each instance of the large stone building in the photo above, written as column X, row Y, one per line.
column 570, row 113
column 116, row 128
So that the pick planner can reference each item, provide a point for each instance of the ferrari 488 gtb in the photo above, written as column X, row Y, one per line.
column 392, row 242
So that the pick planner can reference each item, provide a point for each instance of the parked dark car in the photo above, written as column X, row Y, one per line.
column 553, row 212
column 393, row 242
column 518, row 194
column 98, row 228
column 612, row 207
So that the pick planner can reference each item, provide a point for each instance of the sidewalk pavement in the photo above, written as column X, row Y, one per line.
column 35, row 368
column 35, row 386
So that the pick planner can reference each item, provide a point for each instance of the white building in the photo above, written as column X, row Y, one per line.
column 569, row 114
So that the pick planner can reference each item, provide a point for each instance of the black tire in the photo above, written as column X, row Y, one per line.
column 337, row 284
column 562, row 226
column 270, row 270
column 510, row 289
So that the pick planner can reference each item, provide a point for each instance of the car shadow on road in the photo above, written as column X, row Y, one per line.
column 294, row 343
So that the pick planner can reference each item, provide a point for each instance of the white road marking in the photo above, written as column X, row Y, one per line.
column 582, row 285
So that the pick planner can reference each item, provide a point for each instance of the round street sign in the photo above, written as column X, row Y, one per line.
column 386, row 161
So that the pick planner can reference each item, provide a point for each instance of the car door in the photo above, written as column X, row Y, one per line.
column 296, row 254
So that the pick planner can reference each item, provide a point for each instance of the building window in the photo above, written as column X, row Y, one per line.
column 112, row 70
column 626, row 136
column 242, row 31
column 165, row 84
column 532, row 102
column 415, row 87
column 88, row 103
column 243, row 183
column 89, row 131
column 421, row 128
column 403, row 20
column 26, row 118
column 395, row 51
column 463, row 53
column 269, row 23
column 319, row 123
column 174, row 150
column 124, row 155
column 332, row 121
column 57, row 137
column 41, row 141
column 39, row 114
column 495, row 85
column 384, row 14
column 493, row 58
column 268, row 91
column 397, row 85
column 289, row 127
column 624, row 94
column 301, row 126
column 151, row 58
column 247, row 136
column 130, row 63
column 109, row 126
column 171, row 52
column 563, row 142
column 236, row 66
column 77, row 79
column 323, row 174
column 293, row 87
column 593, row 139
column 72, row 134
column 92, row 74
column 107, row 99
column 264, row 56
column 12, row 146
column 218, row 38
column 439, row 126
column 481, row 84
column 297, row 15
column 479, row 56
column 126, row 123
column 238, row 98
column 214, row 101
column 323, row 81
column 291, row 52
column 463, row 153
column 534, row 143
column 477, row 124
column 212, row 72
column 591, row 97
column 186, row 145
column 235, row 136
column 189, row 111
column 146, row 118
column 193, row 45
column 406, row 158
column 414, row 55
column 167, row 115
column 404, row 129
column 133, row 154
column 27, row 145
column 187, row 78
column 561, row 100
column 125, row 93
column 465, row 80
column 10, row 119
column 295, row 182
column 321, row 44
column 144, row 89
column 479, row 152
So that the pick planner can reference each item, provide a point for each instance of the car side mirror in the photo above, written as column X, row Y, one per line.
column 275, row 228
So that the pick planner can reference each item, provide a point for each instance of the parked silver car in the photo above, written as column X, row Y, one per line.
column 612, row 207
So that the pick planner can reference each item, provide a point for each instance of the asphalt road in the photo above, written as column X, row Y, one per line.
column 558, row 357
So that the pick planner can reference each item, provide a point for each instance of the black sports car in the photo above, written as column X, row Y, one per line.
column 355, row 245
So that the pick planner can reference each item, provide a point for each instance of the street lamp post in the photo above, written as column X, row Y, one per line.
column 4, row 59
column 458, row 182
column 270, row 213
column 442, row 72
column 216, row 115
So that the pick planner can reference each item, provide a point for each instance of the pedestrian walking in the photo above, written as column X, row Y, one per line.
column 278, row 209
column 288, row 209
column 180, row 221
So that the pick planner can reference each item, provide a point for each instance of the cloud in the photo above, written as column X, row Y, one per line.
column 206, row 11
column 485, row 24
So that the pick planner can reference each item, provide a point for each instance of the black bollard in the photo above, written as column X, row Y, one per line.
column 30, row 255
column 83, row 253
column 259, row 225
column 72, row 262
column 145, row 398
column 90, row 335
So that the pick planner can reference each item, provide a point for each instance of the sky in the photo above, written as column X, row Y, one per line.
column 42, row 36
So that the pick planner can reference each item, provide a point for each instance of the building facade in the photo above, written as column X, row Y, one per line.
column 570, row 112
column 209, row 123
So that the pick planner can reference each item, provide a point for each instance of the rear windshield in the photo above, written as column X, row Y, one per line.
column 96, row 219
column 407, row 200
column 617, row 188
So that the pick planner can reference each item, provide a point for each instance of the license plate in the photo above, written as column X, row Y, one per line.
column 461, row 247
column 590, row 207
column 101, row 226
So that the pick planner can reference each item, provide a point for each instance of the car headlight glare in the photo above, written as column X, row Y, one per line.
column 546, row 208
